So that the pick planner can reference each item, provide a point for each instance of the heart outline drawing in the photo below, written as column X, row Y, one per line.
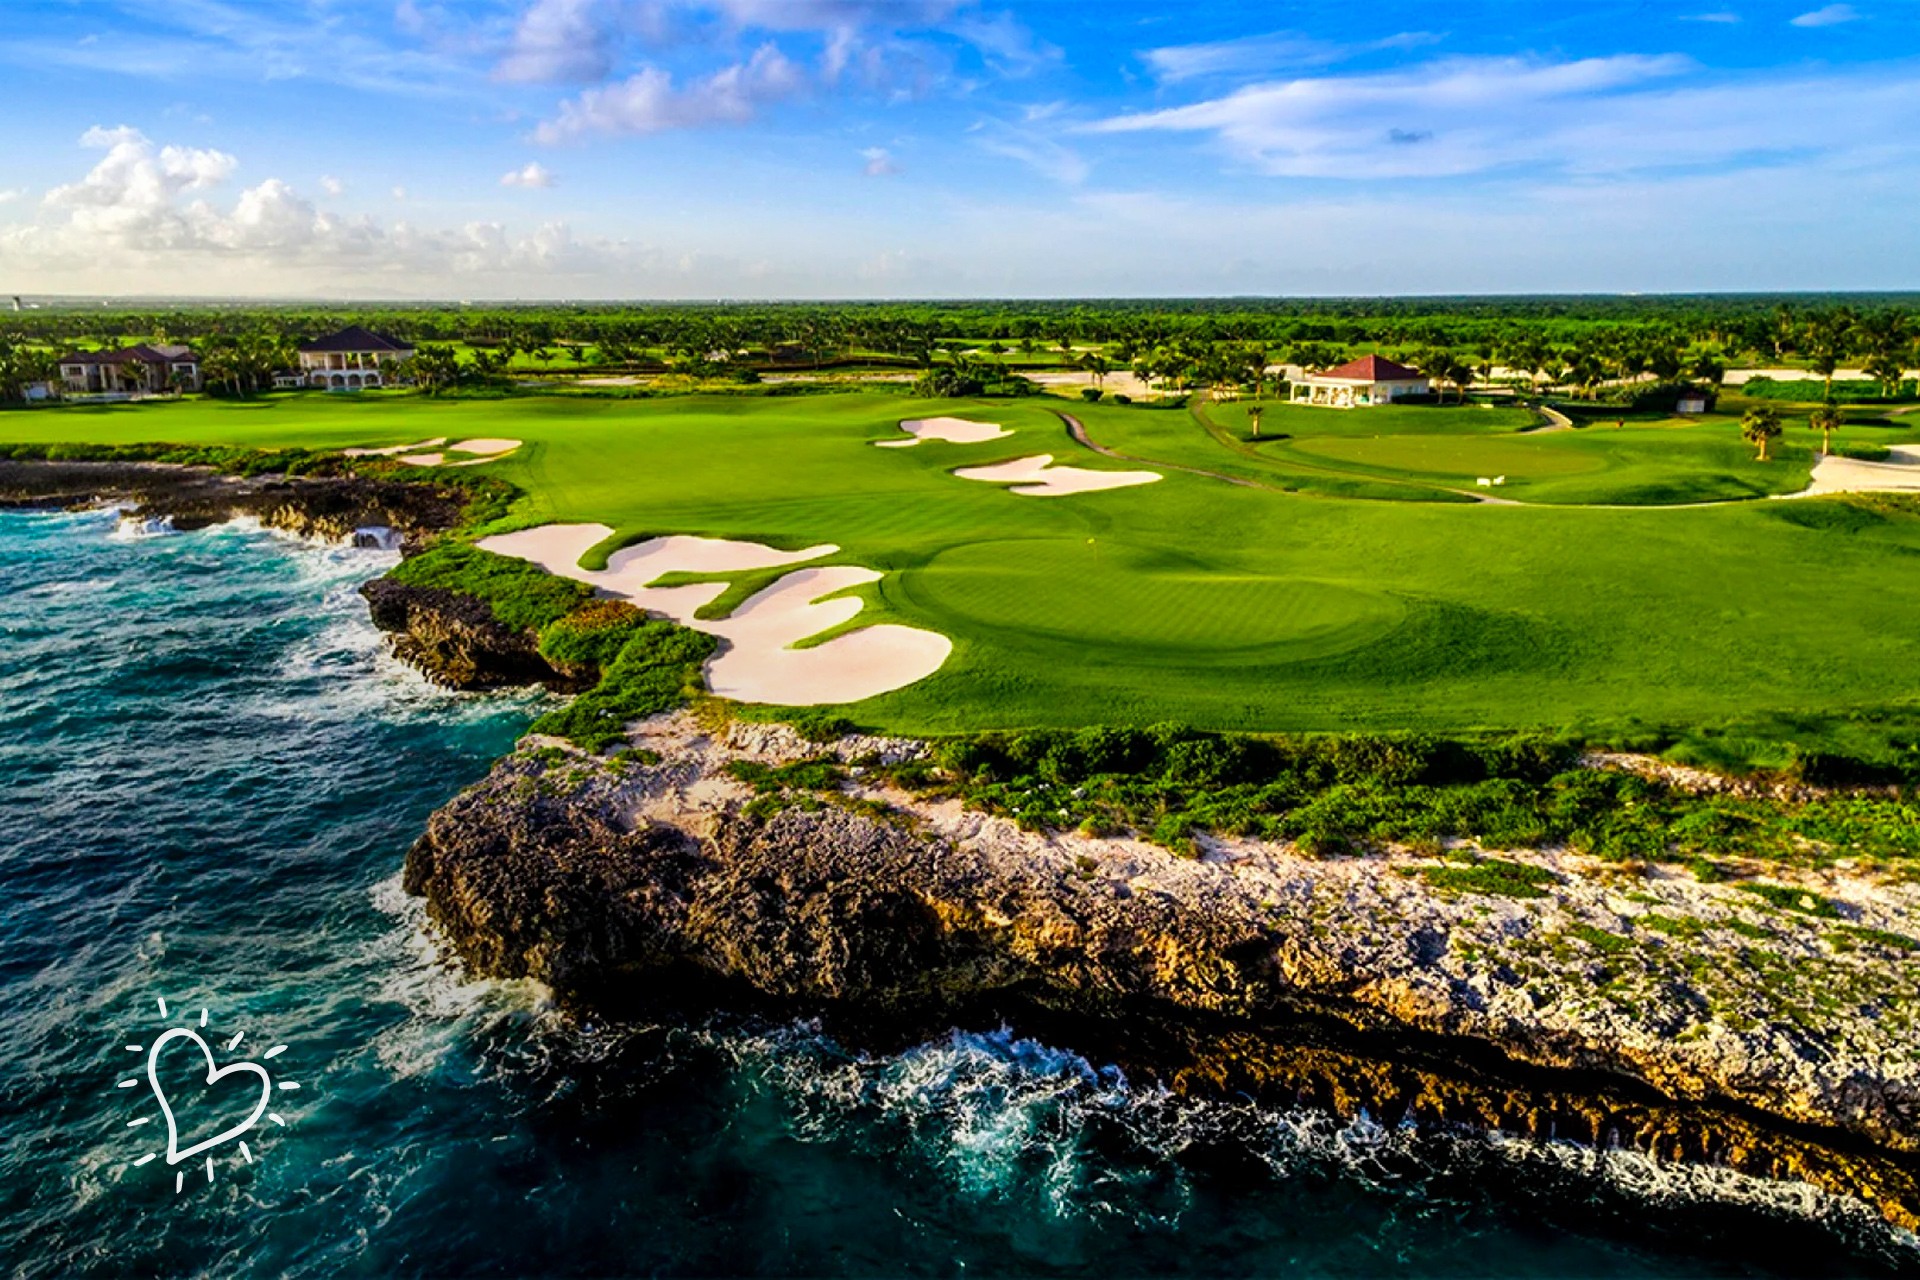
column 215, row 1073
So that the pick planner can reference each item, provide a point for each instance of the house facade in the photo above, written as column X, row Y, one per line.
column 136, row 370
column 1359, row 384
column 352, row 359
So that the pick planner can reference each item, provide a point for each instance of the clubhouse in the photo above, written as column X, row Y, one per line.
column 1358, row 384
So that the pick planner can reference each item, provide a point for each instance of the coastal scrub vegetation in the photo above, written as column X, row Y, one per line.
column 1335, row 795
column 521, row 595
column 656, row 668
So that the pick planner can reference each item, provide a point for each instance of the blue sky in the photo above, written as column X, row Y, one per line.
column 923, row 148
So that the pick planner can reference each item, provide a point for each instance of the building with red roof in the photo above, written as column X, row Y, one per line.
column 1362, row 383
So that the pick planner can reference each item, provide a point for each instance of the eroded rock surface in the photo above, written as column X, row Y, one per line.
column 1354, row 982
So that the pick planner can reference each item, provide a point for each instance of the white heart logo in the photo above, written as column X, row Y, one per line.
column 214, row 1075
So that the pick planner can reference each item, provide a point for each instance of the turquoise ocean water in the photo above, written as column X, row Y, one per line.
column 209, row 774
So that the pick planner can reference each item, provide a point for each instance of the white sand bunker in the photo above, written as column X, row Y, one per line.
column 952, row 430
column 756, row 664
column 1037, row 477
column 1900, row 473
column 392, row 450
column 476, row 452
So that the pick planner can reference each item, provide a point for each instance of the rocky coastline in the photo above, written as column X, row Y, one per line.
column 1741, row 1036
column 658, row 877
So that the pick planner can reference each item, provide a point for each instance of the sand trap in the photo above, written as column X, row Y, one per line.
column 755, row 664
column 1900, row 473
column 391, row 450
column 487, row 450
column 1037, row 477
column 952, row 430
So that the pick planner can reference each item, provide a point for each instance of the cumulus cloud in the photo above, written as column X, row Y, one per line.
column 880, row 162
column 1831, row 16
column 152, row 215
column 9, row 196
column 332, row 186
column 562, row 40
column 532, row 174
column 649, row 102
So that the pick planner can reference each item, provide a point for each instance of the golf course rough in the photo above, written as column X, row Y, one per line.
column 1371, row 597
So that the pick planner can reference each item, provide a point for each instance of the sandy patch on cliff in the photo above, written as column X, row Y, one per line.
column 1900, row 473
column 952, row 430
column 756, row 663
column 1037, row 477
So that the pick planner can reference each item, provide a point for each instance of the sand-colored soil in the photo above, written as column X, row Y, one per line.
column 1121, row 382
column 482, row 451
column 755, row 664
column 1900, row 473
column 952, row 430
column 393, row 450
column 1037, row 477
column 433, row 453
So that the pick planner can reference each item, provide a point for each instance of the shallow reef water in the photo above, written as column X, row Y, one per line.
column 209, row 773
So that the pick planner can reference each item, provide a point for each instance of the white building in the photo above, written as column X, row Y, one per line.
column 351, row 359
column 1370, row 380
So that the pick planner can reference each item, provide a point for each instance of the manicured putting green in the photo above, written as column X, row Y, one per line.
column 1144, row 601
column 1454, row 459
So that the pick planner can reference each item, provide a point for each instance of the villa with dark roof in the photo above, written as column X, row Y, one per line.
column 1358, row 384
column 351, row 359
column 134, row 370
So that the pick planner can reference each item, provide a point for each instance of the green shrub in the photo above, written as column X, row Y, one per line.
column 591, row 637
column 1493, row 876
column 658, row 669
column 1607, row 944
column 521, row 595
column 1790, row 899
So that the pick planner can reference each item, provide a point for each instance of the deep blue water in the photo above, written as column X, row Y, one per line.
column 209, row 774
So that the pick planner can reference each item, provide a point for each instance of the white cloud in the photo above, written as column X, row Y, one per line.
column 1831, row 16
column 563, row 40
column 1723, row 17
column 1172, row 64
column 332, row 186
column 9, row 196
column 1007, row 44
column 1039, row 152
column 1454, row 116
column 399, row 193
column 148, row 217
column 880, row 162
column 648, row 102
column 532, row 174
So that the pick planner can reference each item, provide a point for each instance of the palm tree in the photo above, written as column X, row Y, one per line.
column 1827, row 419
column 1253, row 418
column 1885, row 368
column 1758, row 427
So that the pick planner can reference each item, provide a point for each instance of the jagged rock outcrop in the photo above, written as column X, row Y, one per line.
column 1347, row 984
column 327, row 508
column 455, row 640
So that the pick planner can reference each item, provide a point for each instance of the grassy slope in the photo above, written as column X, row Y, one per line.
column 1191, row 599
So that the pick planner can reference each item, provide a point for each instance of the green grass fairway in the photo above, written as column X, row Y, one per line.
column 1371, row 599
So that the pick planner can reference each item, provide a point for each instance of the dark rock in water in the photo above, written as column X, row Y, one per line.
column 455, row 640
column 330, row 508
column 377, row 537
